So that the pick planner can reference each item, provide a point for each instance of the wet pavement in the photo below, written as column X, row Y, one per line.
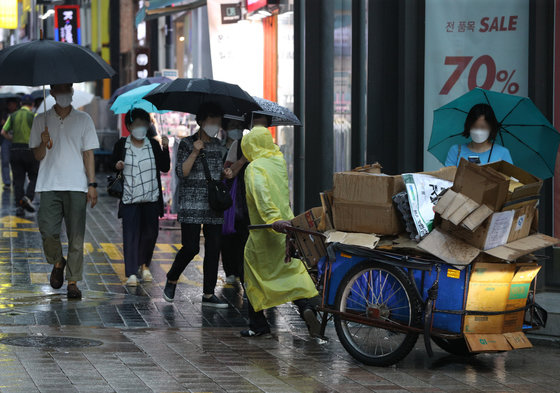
column 143, row 344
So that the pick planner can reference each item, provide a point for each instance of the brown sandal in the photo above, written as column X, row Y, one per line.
column 57, row 275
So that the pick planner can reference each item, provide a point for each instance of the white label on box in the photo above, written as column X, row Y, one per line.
column 500, row 226
column 520, row 222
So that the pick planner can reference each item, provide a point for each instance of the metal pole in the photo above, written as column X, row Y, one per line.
column 299, row 105
column 359, row 64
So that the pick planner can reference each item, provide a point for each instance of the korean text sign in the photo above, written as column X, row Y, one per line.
column 67, row 24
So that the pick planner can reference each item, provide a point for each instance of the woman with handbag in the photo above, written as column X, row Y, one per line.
column 140, row 160
column 202, row 199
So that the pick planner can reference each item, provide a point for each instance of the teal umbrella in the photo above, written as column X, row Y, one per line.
column 135, row 99
column 531, row 139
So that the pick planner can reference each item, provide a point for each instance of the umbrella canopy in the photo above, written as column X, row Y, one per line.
column 187, row 95
column 39, row 93
column 135, row 99
column 45, row 62
column 531, row 139
column 138, row 83
column 281, row 116
column 79, row 99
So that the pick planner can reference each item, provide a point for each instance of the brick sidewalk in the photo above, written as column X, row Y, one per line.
column 150, row 345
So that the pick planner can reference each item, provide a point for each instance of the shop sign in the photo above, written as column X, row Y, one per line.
column 142, row 62
column 67, row 24
column 469, row 44
column 8, row 14
column 253, row 5
column 231, row 13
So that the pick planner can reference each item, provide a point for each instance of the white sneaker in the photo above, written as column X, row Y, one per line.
column 231, row 279
column 132, row 281
column 147, row 275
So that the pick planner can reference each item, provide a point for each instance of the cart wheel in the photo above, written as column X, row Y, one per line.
column 380, row 292
column 457, row 346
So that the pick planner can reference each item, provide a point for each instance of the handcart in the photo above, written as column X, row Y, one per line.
column 382, row 301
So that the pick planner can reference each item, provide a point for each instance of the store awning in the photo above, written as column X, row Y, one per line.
column 157, row 8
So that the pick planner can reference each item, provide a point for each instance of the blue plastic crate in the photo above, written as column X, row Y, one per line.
column 450, row 295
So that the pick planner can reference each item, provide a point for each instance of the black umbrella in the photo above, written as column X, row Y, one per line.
column 137, row 83
column 46, row 62
column 280, row 115
column 187, row 95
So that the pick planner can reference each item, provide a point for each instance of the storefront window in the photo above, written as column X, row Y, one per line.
column 285, row 92
column 342, row 84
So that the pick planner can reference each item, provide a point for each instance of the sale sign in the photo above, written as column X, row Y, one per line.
column 469, row 44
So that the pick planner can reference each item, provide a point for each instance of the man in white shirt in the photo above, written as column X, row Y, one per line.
column 66, row 183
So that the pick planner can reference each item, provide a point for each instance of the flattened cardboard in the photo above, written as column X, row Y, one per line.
column 353, row 239
column 448, row 248
column 518, row 340
column 313, row 247
column 487, row 342
column 378, row 219
column 529, row 185
column 465, row 210
column 456, row 204
column 519, row 290
column 489, row 288
column 482, row 184
column 476, row 218
column 518, row 248
column 445, row 201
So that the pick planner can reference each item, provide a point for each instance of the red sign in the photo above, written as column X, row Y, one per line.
column 67, row 24
column 253, row 5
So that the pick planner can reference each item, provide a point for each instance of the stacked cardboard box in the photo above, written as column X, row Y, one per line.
column 363, row 202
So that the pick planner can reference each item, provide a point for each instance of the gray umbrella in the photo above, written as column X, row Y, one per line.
column 281, row 116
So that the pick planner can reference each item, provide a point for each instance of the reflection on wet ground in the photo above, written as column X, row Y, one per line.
column 149, row 345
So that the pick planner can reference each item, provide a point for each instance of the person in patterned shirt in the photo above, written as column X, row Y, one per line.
column 194, row 210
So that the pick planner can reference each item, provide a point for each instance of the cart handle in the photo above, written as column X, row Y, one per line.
column 288, row 229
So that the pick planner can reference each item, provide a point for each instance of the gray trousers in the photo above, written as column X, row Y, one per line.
column 70, row 206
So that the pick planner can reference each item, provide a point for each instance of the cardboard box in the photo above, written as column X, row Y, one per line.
column 489, row 289
column 362, row 202
column 522, row 184
column 498, row 229
column 460, row 254
column 312, row 247
column 497, row 342
column 482, row 184
column 519, row 290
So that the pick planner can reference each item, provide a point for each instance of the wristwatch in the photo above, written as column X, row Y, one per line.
column 94, row 185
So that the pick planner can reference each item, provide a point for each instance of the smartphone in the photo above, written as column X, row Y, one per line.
column 474, row 159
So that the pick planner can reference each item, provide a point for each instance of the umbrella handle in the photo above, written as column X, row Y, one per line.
column 50, row 142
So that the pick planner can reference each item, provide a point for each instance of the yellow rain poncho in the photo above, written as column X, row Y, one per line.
column 269, row 281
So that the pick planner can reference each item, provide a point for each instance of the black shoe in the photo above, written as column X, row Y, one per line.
column 27, row 204
column 260, row 333
column 214, row 302
column 169, row 291
column 74, row 292
column 313, row 324
column 20, row 212
column 57, row 275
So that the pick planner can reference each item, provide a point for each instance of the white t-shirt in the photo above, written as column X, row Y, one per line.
column 63, row 168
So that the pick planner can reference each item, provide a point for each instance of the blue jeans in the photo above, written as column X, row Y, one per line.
column 6, row 146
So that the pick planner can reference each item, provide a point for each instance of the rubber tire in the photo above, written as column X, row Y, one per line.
column 416, row 311
column 456, row 346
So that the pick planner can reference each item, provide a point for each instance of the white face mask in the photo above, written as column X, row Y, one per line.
column 139, row 133
column 235, row 134
column 479, row 135
column 64, row 100
column 211, row 130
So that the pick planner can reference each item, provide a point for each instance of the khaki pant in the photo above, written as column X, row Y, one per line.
column 70, row 206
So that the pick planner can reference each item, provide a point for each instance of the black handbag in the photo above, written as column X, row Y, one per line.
column 115, row 184
column 219, row 198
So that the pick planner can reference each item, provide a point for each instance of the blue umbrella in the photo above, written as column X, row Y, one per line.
column 137, row 83
column 531, row 139
column 135, row 99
